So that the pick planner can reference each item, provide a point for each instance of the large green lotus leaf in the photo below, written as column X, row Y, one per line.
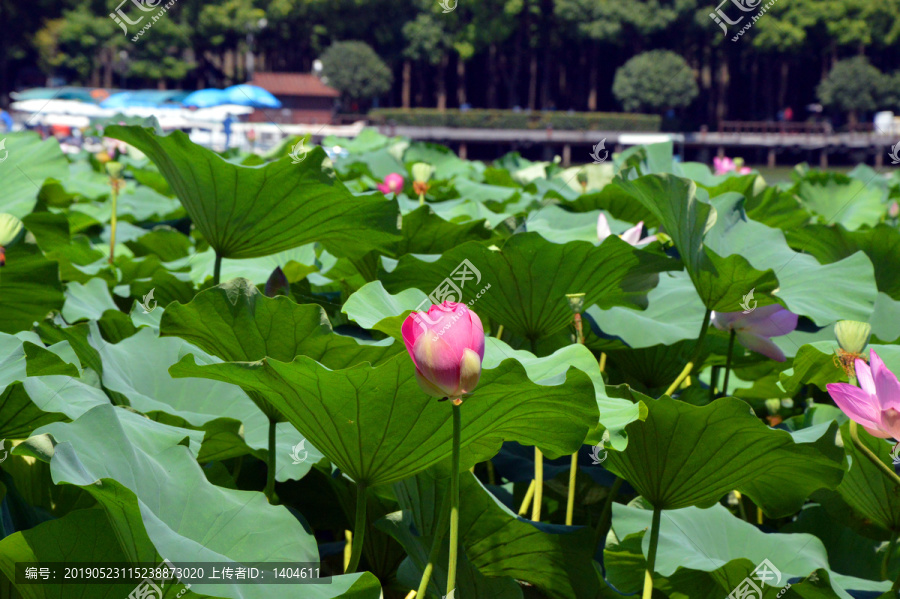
column 722, row 279
column 836, row 198
column 617, row 201
column 247, row 212
column 814, row 364
column 457, row 211
column 257, row 270
column 777, row 469
column 137, row 368
column 138, row 470
column 88, row 301
column 81, row 538
column 726, row 549
column 372, row 307
column 844, row 289
column 445, row 161
column 424, row 232
column 556, row 559
column 51, row 231
column 378, row 426
column 777, row 208
column 29, row 288
column 675, row 313
column 530, row 277
column 561, row 226
column 865, row 488
column 28, row 162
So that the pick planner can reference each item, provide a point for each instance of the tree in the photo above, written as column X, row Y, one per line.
column 429, row 42
column 355, row 70
column 853, row 86
column 654, row 81
column 76, row 45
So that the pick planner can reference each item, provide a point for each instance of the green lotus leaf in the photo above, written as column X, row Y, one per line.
column 836, row 198
column 721, row 280
column 378, row 426
column 530, row 277
column 27, row 162
column 29, row 288
column 865, row 488
column 777, row 469
column 247, row 212
column 139, row 471
column 424, row 232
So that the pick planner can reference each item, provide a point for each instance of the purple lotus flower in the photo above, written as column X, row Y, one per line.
column 755, row 329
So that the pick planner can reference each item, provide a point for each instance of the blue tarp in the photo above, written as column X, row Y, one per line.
column 251, row 95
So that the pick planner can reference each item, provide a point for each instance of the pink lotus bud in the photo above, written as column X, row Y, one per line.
column 393, row 183
column 446, row 345
column 894, row 209
column 875, row 404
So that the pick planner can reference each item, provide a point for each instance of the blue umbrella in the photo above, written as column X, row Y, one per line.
column 251, row 95
column 205, row 98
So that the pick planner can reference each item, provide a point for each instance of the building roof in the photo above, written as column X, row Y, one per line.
column 293, row 84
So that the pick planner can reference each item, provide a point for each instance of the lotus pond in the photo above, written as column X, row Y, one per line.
column 396, row 373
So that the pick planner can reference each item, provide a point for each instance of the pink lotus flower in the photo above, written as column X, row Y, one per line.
column 446, row 345
column 393, row 183
column 755, row 329
column 632, row 236
column 874, row 406
column 726, row 165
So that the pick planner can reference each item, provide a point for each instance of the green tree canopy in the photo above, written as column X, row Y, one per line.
column 654, row 81
column 853, row 85
column 355, row 70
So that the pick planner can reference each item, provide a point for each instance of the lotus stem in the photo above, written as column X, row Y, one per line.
column 885, row 564
column 217, row 268
column 348, row 547
column 112, row 222
column 607, row 510
column 728, row 361
column 436, row 542
column 651, row 556
column 602, row 361
column 526, row 502
column 454, row 503
column 499, row 332
column 270, row 463
column 492, row 475
column 694, row 357
column 359, row 528
column 538, row 485
column 887, row 470
column 570, row 500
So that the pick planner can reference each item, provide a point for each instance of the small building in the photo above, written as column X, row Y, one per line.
column 304, row 98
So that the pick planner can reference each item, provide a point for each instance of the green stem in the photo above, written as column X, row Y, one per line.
column 694, row 357
column 570, row 500
column 270, row 464
column 538, row 485
column 651, row 557
column 885, row 564
column 217, row 268
column 359, row 529
column 439, row 529
column 112, row 225
column 454, row 503
column 885, row 469
column 728, row 362
column 602, row 528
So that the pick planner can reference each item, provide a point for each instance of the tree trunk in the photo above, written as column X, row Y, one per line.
column 407, row 82
column 419, row 86
column 532, row 80
column 592, row 78
column 161, row 84
column 460, row 81
column 442, row 83
column 722, row 95
column 562, row 85
column 492, row 77
column 783, row 84
column 706, row 84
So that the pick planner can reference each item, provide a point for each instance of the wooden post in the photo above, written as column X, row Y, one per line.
column 720, row 152
column 879, row 159
column 823, row 159
column 463, row 151
column 567, row 155
column 771, row 158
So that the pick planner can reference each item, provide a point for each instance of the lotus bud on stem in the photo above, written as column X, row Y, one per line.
column 116, row 182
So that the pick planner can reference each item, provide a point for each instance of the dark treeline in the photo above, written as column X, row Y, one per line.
column 537, row 54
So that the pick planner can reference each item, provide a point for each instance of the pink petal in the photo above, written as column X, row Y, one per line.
column 864, row 376
column 477, row 335
column 633, row 235
column 603, row 230
column 886, row 385
column 856, row 403
column 385, row 189
column 646, row 240
column 890, row 422
column 469, row 371
column 412, row 328
column 437, row 362
column 724, row 321
column 761, row 345
column 877, row 433
column 428, row 387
